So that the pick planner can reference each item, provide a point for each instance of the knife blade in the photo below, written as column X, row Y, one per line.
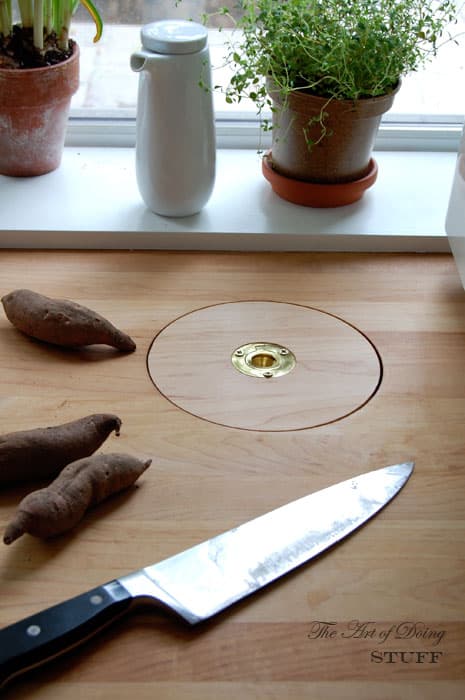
column 209, row 577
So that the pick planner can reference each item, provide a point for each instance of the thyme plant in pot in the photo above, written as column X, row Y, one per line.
column 328, row 70
column 39, row 73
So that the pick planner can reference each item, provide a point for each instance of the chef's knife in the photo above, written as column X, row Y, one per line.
column 205, row 579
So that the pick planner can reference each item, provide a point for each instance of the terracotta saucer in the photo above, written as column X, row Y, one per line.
column 310, row 194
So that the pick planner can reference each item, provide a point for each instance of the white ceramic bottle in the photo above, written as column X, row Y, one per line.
column 175, row 141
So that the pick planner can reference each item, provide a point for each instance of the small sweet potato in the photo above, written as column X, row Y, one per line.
column 41, row 453
column 81, row 485
column 62, row 322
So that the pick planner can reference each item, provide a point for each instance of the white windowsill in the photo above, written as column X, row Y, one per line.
column 92, row 201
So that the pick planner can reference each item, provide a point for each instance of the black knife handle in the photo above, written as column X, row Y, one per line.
column 42, row 636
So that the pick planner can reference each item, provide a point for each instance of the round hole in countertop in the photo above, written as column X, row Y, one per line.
column 337, row 371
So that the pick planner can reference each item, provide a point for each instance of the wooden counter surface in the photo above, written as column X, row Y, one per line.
column 397, row 585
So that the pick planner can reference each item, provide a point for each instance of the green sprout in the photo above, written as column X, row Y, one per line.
column 339, row 49
column 45, row 18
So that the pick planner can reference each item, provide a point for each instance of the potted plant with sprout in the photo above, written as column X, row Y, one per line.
column 39, row 73
column 328, row 70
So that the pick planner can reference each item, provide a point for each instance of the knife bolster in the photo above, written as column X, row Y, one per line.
column 143, row 589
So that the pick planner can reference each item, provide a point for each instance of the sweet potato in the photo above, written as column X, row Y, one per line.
column 62, row 322
column 81, row 485
column 41, row 453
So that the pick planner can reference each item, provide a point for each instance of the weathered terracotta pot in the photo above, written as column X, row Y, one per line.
column 343, row 154
column 34, row 108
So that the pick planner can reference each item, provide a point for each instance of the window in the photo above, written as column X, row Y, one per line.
column 432, row 100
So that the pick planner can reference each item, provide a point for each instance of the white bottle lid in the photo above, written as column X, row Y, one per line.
column 174, row 36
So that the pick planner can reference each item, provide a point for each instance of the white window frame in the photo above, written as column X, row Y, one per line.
column 237, row 128
column 92, row 201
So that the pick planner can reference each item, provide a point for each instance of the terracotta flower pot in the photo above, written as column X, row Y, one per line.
column 318, row 194
column 343, row 154
column 34, row 108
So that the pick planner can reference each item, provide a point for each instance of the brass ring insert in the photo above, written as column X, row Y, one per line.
column 266, row 360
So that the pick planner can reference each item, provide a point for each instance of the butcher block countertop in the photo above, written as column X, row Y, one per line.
column 381, row 616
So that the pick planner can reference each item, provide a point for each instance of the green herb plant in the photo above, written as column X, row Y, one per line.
column 338, row 49
column 42, row 35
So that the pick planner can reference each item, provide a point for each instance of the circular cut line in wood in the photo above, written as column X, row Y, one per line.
column 337, row 368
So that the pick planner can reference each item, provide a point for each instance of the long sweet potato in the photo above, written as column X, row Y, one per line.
column 41, row 453
column 81, row 485
column 62, row 322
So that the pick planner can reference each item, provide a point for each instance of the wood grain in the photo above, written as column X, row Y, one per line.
column 337, row 370
column 406, row 566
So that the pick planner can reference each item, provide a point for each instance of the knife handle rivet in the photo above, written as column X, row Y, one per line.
column 96, row 599
column 33, row 630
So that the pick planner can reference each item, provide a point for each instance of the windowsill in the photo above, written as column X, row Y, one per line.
column 92, row 201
